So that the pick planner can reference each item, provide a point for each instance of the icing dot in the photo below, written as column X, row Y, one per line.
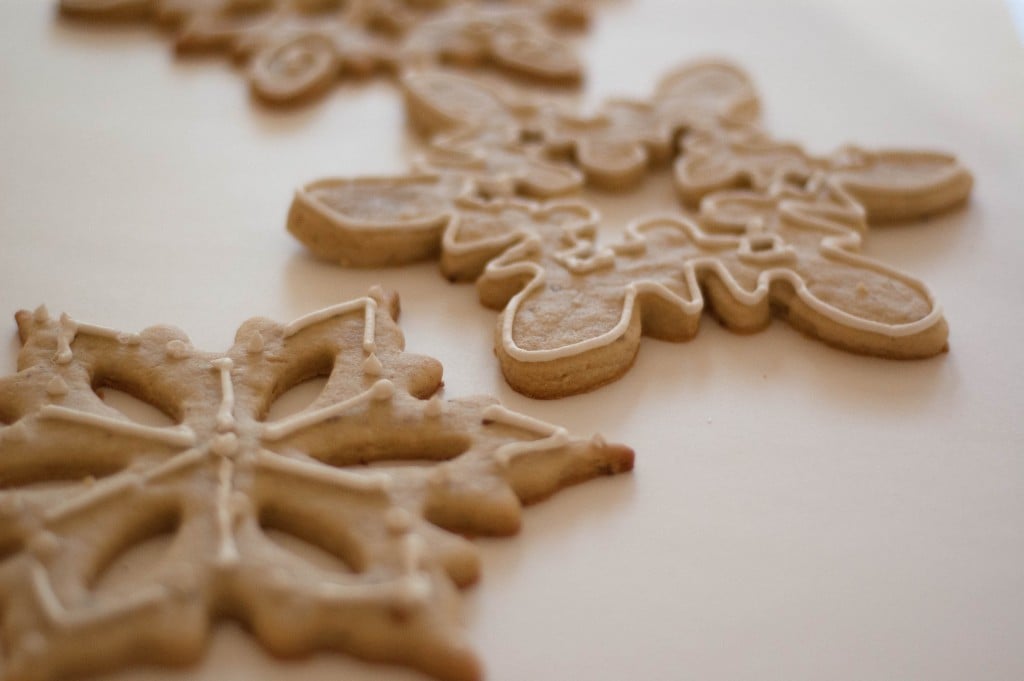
column 177, row 349
column 598, row 441
column 63, row 357
column 382, row 390
column 57, row 387
column 256, row 344
column 398, row 520
column 376, row 292
column 372, row 365
column 225, row 445
column 44, row 545
column 41, row 314
column 434, row 407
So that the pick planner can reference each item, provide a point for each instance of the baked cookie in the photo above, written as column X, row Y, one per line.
column 223, row 476
column 777, row 230
column 294, row 50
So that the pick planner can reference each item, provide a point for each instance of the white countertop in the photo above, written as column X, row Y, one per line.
column 797, row 513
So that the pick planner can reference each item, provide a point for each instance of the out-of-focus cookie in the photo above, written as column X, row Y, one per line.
column 379, row 472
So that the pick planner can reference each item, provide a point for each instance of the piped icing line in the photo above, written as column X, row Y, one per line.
column 367, row 304
column 225, row 412
column 227, row 550
column 836, row 247
column 99, row 493
column 176, row 436
column 59, row 617
column 322, row 473
column 105, row 332
column 840, row 246
column 553, row 436
column 104, row 490
column 382, row 389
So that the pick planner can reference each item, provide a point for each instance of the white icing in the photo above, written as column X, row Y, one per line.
column 227, row 550
column 99, row 493
column 554, row 436
column 381, row 390
column 372, row 365
column 836, row 247
column 225, row 445
column 225, row 413
column 367, row 304
column 174, row 465
column 177, row 436
column 357, row 482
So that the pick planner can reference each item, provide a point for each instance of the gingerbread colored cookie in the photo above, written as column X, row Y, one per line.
column 297, row 49
column 223, row 478
column 777, row 232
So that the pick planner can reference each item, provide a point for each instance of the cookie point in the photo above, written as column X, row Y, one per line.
column 41, row 315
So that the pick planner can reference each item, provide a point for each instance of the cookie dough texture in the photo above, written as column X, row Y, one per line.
column 379, row 472
column 768, row 229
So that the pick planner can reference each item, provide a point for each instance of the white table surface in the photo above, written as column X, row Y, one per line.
column 797, row 513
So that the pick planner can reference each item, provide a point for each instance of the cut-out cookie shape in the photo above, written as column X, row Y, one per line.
column 296, row 49
column 223, row 477
column 613, row 148
column 573, row 319
column 889, row 184
column 574, row 313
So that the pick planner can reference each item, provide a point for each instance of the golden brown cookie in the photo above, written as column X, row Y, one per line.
column 777, row 231
column 294, row 50
column 379, row 471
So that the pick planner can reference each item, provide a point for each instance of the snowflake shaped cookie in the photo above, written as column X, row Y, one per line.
column 297, row 49
column 777, row 229
column 223, row 476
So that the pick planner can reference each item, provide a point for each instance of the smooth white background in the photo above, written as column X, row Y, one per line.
column 797, row 513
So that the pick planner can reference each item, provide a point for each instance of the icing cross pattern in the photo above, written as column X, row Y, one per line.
column 775, row 229
column 223, row 477
column 297, row 49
